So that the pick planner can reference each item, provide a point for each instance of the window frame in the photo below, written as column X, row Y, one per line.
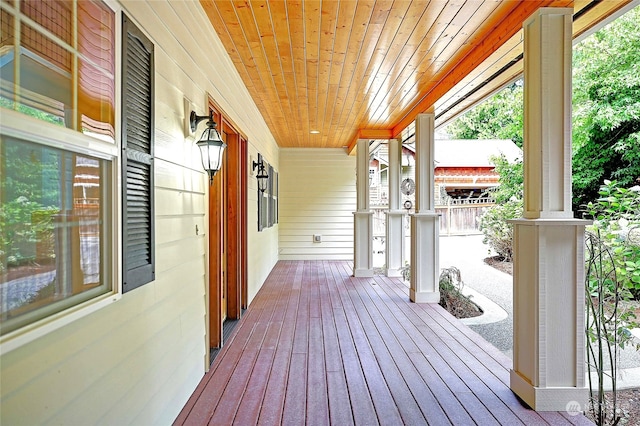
column 21, row 126
column 17, row 125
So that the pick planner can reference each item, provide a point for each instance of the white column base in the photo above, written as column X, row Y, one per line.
column 394, row 243
column 363, row 273
column 425, row 267
column 393, row 273
column 569, row 399
column 363, row 243
column 424, row 297
column 549, row 313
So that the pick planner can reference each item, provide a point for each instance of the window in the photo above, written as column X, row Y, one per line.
column 54, row 244
column 50, row 71
column 57, row 66
column 273, row 196
column 137, row 158
column 268, row 200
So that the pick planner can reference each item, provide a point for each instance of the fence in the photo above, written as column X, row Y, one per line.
column 455, row 218
column 461, row 219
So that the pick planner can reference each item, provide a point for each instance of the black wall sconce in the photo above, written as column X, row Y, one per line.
column 210, row 144
column 262, row 177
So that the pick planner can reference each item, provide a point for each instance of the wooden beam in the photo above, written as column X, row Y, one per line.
column 369, row 134
column 457, row 70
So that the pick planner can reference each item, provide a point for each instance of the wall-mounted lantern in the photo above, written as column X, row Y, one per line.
column 210, row 144
column 262, row 177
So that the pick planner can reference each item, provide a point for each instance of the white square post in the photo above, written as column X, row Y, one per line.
column 425, row 224
column 548, row 282
column 394, row 232
column 363, row 216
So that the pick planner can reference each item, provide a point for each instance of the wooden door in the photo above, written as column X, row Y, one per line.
column 228, row 234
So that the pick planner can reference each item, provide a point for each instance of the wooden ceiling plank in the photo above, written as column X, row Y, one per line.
column 264, row 26
column 489, row 9
column 280, row 22
column 342, row 33
column 230, row 32
column 379, row 35
column 297, row 40
column 311, row 12
column 438, row 15
column 252, row 48
column 378, row 85
column 359, row 52
column 472, row 14
column 357, row 37
column 326, row 43
column 376, row 34
column 232, row 36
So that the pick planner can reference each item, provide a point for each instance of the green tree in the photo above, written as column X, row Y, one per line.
column 511, row 179
column 499, row 117
column 606, row 108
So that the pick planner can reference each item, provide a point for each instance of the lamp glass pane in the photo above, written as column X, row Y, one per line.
column 211, row 153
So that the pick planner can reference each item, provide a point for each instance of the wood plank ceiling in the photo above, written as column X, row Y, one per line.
column 327, row 72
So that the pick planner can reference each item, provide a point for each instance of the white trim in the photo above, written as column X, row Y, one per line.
column 22, row 126
column 607, row 21
column 38, row 329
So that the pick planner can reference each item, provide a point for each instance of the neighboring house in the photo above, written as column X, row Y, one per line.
column 463, row 168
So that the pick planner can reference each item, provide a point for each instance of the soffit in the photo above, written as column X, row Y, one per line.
column 351, row 69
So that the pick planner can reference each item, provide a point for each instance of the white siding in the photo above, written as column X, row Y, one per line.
column 138, row 360
column 317, row 196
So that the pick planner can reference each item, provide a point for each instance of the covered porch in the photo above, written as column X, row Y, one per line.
column 319, row 346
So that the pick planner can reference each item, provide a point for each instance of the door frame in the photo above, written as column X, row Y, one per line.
column 227, row 217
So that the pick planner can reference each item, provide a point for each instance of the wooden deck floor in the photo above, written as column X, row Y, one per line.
column 320, row 347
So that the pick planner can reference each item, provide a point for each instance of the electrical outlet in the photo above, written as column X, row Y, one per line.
column 317, row 238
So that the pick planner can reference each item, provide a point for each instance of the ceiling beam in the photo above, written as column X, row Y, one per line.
column 369, row 134
column 457, row 70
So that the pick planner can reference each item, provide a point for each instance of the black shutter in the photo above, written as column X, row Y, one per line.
column 138, row 245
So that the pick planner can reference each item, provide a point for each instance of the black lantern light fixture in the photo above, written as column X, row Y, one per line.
column 210, row 144
column 262, row 177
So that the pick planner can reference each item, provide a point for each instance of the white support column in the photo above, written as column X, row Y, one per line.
column 363, row 217
column 548, row 282
column 425, row 226
column 394, row 237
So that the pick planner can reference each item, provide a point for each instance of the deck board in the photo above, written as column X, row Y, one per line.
column 318, row 346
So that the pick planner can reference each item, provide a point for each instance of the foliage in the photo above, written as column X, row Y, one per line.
column 511, row 179
column 612, row 276
column 498, row 233
column 451, row 297
column 23, row 224
column 31, row 111
column 607, row 327
column 29, row 184
column 606, row 108
column 500, row 117
column 30, row 171
column 616, row 215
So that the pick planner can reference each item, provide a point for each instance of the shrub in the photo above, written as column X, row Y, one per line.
column 616, row 219
column 498, row 233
